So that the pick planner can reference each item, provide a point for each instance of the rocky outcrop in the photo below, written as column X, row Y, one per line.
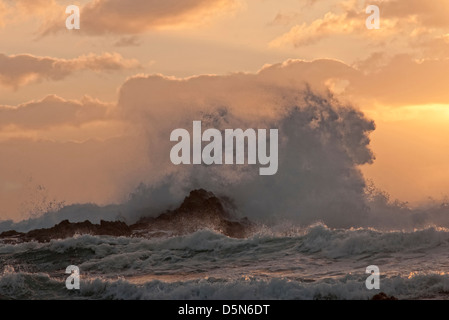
column 200, row 210
column 66, row 229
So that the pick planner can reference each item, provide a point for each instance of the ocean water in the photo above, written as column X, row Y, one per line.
column 316, row 262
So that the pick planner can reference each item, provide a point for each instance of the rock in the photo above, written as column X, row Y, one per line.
column 383, row 296
column 11, row 233
column 11, row 237
column 66, row 229
column 200, row 210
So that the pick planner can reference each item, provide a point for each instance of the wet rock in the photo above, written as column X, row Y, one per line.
column 66, row 229
column 200, row 210
column 383, row 296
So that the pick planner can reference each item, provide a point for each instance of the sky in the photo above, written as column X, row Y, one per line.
column 71, row 100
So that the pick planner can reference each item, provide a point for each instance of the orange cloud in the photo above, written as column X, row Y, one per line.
column 425, row 13
column 121, row 17
column 403, row 80
column 399, row 80
column 413, row 20
column 330, row 24
column 132, row 41
column 33, row 6
column 18, row 10
column 3, row 13
column 53, row 111
column 19, row 70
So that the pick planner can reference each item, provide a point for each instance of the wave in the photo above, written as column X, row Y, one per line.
column 208, row 250
column 317, row 262
column 351, row 287
column 338, row 243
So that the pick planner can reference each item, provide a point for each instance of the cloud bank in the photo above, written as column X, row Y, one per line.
column 422, row 23
column 119, row 17
column 19, row 70
column 53, row 111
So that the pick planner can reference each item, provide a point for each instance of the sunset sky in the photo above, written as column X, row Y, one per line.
column 69, row 129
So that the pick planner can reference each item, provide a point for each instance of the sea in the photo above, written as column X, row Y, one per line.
column 273, row 263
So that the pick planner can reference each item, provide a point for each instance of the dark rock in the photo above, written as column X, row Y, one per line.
column 11, row 233
column 66, row 229
column 383, row 296
column 11, row 237
column 200, row 210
